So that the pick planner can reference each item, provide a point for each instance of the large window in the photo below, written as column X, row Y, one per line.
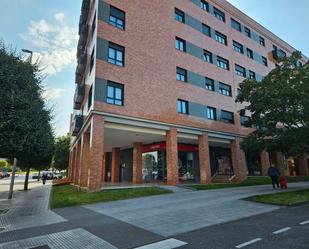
column 207, row 56
column 114, row 93
column 206, row 30
column 117, row 17
column 249, row 53
column 235, row 25
column 179, row 15
column 248, row 32
column 252, row 75
column 262, row 41
column 180, row 44
column 211, row 113
column 221, row 38
column 227, row 117
column 182, row 106
column 238, row 47
column 116, row 54
column 240, row 71
column 225, row 89
column 244, row 121
column 181, row 74
column 204, row 5
column 264, row 61
column 223, row 63
column 219, row 14
column 209, row 84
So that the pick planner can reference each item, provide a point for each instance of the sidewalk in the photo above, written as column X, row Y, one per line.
column 27, row 208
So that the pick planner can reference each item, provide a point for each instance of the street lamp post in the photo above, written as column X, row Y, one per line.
column 28, row 52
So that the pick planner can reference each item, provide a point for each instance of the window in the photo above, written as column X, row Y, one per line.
column 94, row 23
column 181, row 74
column 90, row 98
column 252, row 75
column 235, row 25
column 221, row 38
column 223, row 63
column 244, row 121
column 227, row 117
column 209, row 84
column 262, row 41
column 179, row 15
column 207, row 56
column 249, row 53
column 248, row 32
column 225, row 89
column 211, row 113
column 117, row 17
column 240, row 71
column 206, row 30
column 116, row 54
column 91, row 61
column 180, row 44
column 114, row 93
column 264, row 61
column 238, row 47
column 182, row 106
column 204, row 5
column 219, row 14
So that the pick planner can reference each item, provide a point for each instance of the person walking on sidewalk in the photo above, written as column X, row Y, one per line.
column 44, row 178
column 274, row 173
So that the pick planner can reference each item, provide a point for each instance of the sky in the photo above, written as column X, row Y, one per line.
column 50, row 28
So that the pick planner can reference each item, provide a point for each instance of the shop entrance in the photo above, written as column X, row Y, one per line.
column 154, row 166
column 220, row 161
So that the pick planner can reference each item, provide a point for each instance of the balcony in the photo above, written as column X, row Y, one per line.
column 84, row 11
column 83, row 36
column 79, row 94
column 77, row 123
column 81, row 66
column 78, row 77
column 278, row 54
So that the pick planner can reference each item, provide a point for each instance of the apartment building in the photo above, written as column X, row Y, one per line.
column 156, row 83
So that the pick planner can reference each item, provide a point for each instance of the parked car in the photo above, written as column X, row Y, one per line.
column 35, row 175
column 4, row 174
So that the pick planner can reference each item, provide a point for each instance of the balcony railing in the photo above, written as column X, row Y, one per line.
column 77, row 123
column 79, row 94
column 83, row 36
column 82, row 61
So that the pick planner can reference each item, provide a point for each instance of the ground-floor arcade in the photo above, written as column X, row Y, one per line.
column 121, row 150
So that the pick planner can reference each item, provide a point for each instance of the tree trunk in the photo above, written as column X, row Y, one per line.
column 26, row 179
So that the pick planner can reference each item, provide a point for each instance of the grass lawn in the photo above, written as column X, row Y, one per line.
column 250, row 181
column 66, row 195
column 284, row 199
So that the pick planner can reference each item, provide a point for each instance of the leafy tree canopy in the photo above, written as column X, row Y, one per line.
column 61, row 152
column 279, row 107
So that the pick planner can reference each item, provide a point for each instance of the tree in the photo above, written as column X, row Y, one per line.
column 25, row 129
column 279, row 108
column 61, row 152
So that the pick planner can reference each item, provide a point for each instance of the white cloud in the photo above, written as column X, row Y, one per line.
column 55, row 43
column 59, row 16
column 51, row 94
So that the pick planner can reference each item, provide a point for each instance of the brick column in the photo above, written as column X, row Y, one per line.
column 302, row 166
column 115, row 164
column 84, row 159
column 172, row 156
column 77, row 164
column 264, row 156
column 238, row 160
column 95, row 170
column 204, row 158
column 72, row 159
column 137, row 163
column 277, row 160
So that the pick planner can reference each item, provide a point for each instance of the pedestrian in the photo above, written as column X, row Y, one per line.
column 44, row 178
column 273, row 173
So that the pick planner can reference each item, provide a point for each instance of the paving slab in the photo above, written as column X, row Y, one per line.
column 171, row 214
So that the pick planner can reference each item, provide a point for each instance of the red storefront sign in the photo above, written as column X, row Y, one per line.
column 162, row 146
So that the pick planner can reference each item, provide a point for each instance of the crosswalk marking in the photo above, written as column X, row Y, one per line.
column 164, row 244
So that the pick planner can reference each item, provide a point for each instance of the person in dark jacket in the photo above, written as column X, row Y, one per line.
column 44, row 178
column 274, row 173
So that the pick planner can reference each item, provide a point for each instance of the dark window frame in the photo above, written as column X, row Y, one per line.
column 238, row 47
column 211, row 113
column 235, row 25
column 207, row 54
column 182, row 103
column 181, row 74
column 179, row 41
column 221, row 38
column 220, row 15
column 224, row 118
column 249, row 53
column 205, row 28
column 114, row 100
column 264, row 61
column 240, row 71
column 116, row 49
column 223, row 63
column 179, row 15
column 117, row 17
column 204, row 5
column 244, row 121
column 262, row 41
column 247, row 32
column 90, row 93
column 91, row 60
column 252, row 75
column 225, row 89
column 209, row 84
